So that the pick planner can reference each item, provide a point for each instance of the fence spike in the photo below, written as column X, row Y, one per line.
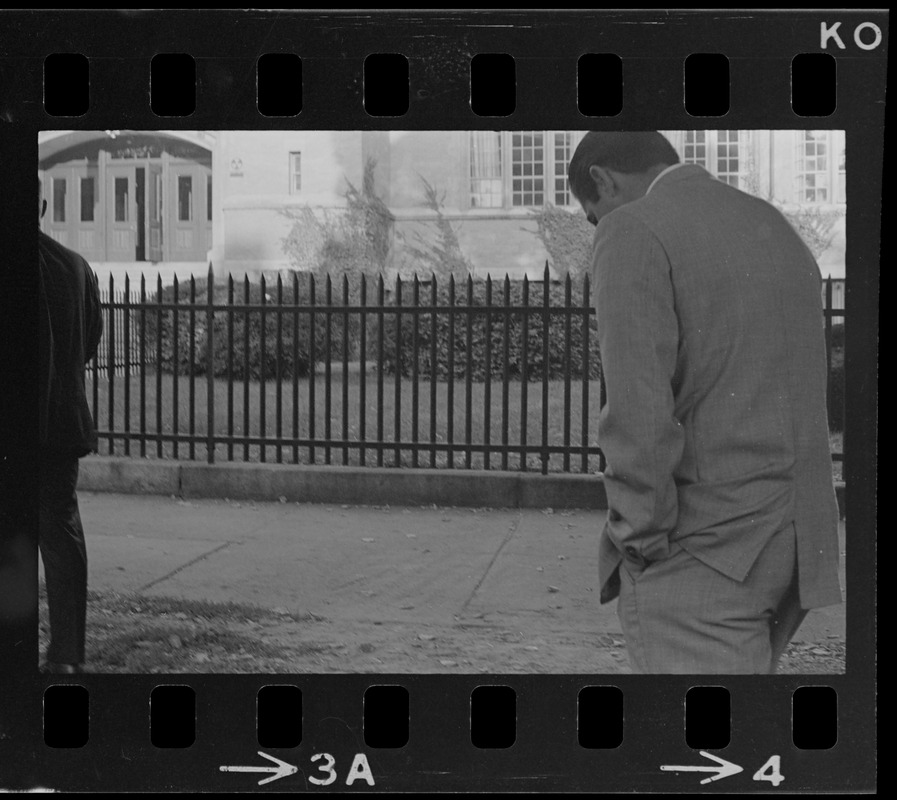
column 211, row 271
column 547, row 273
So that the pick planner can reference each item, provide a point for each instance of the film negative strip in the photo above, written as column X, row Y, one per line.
column 273, row 605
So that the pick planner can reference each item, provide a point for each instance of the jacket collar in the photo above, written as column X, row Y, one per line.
column 678, row 172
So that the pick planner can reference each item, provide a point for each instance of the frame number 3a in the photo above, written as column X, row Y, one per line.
column 770, row 771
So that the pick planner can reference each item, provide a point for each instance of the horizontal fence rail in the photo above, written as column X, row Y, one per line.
column 432, row 373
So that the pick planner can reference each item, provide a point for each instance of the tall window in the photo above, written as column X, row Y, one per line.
column 524, row 169
column 59, row 190
column 486, row 169
column 563, row 151
column 841, row 196
column 722, row 153
column 695, row 149
column 295, row 173
column 813, row 160
column 209, row 198
column 122, row 204
column 728, row 157
column 88, row 199
column 528, row 168
column 185, row 198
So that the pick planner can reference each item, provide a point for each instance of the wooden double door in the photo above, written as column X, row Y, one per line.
column 124, row 210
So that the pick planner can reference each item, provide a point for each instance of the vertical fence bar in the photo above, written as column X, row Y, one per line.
column 380, row 333
column 126, row 314
column 295, row 367
column 524, row 376
column 328, row 350
column 505, row 372
column 142, row 356
column 487, row 388
column 468, row 379
column 546, row 372
column 434, row 367
column 397, row 394
column 246, row 323
column 95, row 388
column 345, row 369
column 278, row 369
column 159, row 334
column 192, row 368
column 568, row 293
column 230, row 367
column 263, row 377
column 110, row 365
column 175, row 367
column 586, row 374
column 312, row 368
column 210, row 367
column 450, row 408
column 363, row 376
column 415, row 389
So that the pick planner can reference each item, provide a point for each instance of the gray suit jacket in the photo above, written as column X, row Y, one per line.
column 710, row 328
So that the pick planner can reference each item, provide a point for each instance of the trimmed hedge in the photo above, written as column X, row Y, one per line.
column 558, row 354
column 298, row 363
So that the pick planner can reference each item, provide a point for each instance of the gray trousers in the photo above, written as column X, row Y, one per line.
column 681, row 616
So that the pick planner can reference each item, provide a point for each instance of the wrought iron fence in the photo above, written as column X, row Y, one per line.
column 481, row 374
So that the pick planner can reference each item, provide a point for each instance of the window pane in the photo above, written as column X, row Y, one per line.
column 87, row 199
column 59, row 188
column 295, row 173
column 185, row 198
column 485, row 169
column 122, row 207
column 527, row 168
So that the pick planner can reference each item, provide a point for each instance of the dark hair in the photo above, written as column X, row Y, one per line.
column 625, row 151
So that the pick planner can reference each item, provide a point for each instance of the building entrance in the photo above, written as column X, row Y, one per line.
column 139, row 202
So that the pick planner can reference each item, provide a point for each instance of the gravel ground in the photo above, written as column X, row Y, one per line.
column 137, row 634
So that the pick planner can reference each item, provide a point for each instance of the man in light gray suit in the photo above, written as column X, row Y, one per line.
column 722, row 519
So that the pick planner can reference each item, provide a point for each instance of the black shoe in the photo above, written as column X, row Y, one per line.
column 57, row 668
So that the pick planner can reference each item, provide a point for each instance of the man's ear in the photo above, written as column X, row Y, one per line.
column 604, row 181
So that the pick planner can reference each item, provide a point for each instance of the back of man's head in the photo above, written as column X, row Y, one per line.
column 627, row 152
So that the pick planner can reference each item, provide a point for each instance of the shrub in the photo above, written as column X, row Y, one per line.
column 298, row 362
column 558, row 354
column 567, row 237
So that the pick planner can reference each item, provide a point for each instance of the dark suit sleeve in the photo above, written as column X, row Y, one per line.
column 638, row 432
column 93, row 314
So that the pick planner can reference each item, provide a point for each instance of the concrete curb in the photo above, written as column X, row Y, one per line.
column 356, row 485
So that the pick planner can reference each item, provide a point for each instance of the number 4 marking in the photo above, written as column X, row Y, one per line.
column 770, row 771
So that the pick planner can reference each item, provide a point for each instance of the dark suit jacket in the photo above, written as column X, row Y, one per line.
column 715, row 429
column 71, row 325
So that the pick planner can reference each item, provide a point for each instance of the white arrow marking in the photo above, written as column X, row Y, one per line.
column 280, row 771
column 724, row 770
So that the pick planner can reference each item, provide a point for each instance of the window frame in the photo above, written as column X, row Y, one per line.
column 711, row 158
column 549, row 176
column 836, row 178
column 295, row 172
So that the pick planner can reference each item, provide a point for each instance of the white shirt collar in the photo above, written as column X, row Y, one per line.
column 661, row 174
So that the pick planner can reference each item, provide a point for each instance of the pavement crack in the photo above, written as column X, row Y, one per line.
column 508, row 536
column 191, row 562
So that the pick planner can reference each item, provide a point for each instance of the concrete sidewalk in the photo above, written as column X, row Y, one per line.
column 525, row 569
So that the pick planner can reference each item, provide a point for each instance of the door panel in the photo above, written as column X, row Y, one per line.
column 121, row 213
column 154, row 215
column 187, row 212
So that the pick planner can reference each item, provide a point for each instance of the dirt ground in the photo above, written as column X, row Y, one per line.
column 138, row 634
